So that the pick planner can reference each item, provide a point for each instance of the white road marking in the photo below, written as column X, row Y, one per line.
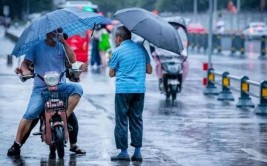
column 256, row 155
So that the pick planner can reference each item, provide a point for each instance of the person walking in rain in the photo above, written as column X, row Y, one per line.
column 104, row 45
column 95, row 54
column 129, row 64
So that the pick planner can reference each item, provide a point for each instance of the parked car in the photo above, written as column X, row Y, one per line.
column 255, row 30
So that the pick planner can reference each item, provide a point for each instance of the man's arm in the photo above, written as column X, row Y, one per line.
column 70, row 53
column 24, row 68
column 112, row 72
column 148, row 68
column 148, row 65
column 113, row 64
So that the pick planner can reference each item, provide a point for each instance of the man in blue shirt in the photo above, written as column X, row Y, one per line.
column 129, row 63
column 46, row 55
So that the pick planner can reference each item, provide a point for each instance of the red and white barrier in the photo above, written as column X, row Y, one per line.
column 205, row 68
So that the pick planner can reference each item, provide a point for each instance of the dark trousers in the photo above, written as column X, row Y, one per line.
column 73, row 134
column 95, row 55
column 129, row 107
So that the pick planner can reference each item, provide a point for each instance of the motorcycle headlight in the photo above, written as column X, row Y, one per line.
column 51, row 78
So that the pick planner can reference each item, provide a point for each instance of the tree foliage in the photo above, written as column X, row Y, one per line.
column 18, row 8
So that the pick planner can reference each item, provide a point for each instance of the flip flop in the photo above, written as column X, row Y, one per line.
column 76, row 149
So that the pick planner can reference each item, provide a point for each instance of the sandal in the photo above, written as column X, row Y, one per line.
column 76, row 149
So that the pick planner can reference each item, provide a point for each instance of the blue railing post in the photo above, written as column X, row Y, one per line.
column 263, row 47
column 211, row 88
column 225, row 94
column 244, row 99
column 262, row 107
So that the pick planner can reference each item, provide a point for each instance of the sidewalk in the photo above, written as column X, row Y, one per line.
column 6, row 45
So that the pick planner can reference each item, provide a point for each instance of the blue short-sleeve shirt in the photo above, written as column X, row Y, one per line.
column 129, row 61
column 46, row 58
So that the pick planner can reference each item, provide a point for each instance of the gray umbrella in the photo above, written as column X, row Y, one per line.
column 151, row 27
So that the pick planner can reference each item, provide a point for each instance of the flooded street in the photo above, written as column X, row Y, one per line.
column 196, row 130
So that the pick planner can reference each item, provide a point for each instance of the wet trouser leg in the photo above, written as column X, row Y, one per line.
column 93, row 52
column 121, row 127
column 95, row 55
column 128, row 106
column 135, row 119
column 98, row 59
column 73, row 134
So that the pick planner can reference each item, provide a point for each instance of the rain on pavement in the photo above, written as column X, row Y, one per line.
column 197, row 130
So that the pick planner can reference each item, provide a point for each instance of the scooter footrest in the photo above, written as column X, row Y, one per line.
column 37, row 133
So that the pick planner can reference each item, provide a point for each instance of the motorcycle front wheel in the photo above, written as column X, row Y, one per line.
column 59, row 140
column 173, row 92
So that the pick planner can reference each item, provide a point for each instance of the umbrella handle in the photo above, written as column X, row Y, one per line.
column 143, row 42
column 93, row 29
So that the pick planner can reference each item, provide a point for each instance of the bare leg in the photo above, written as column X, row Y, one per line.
column 72, row 102
column 103, row 59
column 23, row 129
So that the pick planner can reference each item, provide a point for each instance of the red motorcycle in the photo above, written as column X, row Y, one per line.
column 54, row 127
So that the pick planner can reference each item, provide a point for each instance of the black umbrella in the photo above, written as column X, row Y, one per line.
column 151, row 27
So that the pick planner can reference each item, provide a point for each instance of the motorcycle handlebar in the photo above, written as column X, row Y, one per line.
column 26, row 77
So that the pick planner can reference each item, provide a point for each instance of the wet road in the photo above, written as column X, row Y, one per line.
column 198, row 130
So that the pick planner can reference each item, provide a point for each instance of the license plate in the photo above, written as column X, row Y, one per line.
column 173, row 82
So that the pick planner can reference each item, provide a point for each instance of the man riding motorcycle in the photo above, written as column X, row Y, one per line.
column 49, row 54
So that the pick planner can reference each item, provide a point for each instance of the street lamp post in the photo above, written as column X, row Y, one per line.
column 210, row 34
column 238, row 5
column 195, row 9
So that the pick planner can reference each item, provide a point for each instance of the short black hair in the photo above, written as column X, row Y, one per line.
column 123, row 32
column 58, row 30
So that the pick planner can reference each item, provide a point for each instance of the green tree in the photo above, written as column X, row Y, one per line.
column 18, row 8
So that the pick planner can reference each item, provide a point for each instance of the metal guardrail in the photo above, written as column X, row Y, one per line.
column 199, row 41
column 226, row 94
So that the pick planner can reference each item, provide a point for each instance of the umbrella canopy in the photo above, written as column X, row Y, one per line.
column 151, row 27
column 106, row 21
column 72, row 20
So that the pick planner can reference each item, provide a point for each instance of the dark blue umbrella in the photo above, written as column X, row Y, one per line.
column 151, row 27
column 72, row 20
column 106, row 21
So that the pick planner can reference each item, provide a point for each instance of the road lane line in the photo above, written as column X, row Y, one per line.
column 256, row 155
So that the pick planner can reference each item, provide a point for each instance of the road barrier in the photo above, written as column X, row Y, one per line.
column 244, row 99
column 237, row 44
column 263, row 45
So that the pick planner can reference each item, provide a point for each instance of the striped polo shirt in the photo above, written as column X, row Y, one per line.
column 129, row 61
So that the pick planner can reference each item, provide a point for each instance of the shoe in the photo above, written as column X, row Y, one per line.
column 137, row 157
column 76, row 149
column 120, row 157
column 52, row 154
column 14, row 150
